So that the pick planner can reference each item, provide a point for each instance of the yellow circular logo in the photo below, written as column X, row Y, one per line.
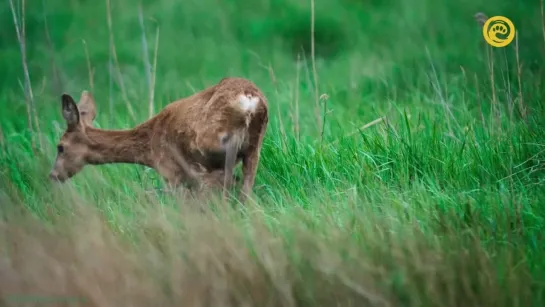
column 499, row 31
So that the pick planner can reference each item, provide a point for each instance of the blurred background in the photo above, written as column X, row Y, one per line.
column 370, row 56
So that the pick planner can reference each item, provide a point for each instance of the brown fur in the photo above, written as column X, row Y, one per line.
column 192, row 140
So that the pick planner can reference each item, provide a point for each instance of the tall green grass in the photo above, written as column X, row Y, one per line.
column 414, row 178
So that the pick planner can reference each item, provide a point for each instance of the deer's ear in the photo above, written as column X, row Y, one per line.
column 70, row 111
column 87, row 108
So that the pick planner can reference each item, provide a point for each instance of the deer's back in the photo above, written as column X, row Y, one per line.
column 196, row 125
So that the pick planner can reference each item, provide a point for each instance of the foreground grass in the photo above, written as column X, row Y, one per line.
column 438, row 204
column 356, row 223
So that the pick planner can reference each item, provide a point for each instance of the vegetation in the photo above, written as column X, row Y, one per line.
column 404, row 163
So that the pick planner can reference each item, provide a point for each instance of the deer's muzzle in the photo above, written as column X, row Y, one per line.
column 56, row 177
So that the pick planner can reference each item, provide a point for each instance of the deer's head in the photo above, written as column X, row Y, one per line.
column 73, row 147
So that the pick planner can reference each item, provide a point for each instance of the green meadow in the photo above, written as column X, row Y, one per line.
column 403, row 165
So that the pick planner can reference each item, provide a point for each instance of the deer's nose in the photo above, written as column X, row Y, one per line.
column 54, row 176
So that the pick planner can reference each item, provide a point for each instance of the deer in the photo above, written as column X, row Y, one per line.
column 193, row 141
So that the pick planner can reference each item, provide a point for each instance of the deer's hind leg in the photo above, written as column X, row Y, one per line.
column 232, row 146
column 251, row 157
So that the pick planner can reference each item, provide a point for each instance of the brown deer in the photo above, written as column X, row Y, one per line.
column 191, row 141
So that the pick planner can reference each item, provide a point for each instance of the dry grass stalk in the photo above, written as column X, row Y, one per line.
column 151, row 108
column 370, row 124
column 113, row 53
column 90, row 69
column 31, row 108
column 146, row 62
column 295, row 111
column 481, row 20
column 319, row 118
column 542, row 8
column 57, row 83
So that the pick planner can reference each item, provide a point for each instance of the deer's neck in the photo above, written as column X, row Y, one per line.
column 120, row 146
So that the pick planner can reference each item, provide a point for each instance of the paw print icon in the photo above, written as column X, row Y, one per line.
column 501, row 28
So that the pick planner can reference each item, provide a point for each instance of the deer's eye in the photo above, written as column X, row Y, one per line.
column 60, row 149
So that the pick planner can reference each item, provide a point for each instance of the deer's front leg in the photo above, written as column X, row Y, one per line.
column 170, row 174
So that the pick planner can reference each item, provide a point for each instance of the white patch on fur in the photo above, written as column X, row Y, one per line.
column 248, row 103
